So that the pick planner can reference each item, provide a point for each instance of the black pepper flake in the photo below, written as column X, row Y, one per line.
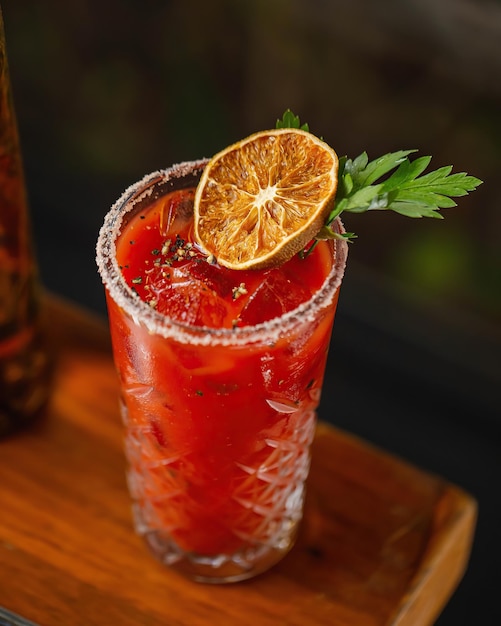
column 155, row 252
column 132, row 242
column 310, row 384
column 178, row 243
column 199, row 393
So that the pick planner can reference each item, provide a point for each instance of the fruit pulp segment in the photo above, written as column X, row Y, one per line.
column 218, row 436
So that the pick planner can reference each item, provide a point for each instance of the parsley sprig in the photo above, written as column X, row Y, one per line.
column 365, row 185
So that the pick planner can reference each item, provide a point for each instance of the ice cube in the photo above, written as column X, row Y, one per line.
column 193, row 303
column 276, row 295
column 220, row 280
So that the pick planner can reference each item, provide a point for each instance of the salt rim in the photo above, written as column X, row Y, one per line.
column 156, row 323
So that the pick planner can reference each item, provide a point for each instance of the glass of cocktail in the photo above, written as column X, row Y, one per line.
column 222, row 280
column 221, row 372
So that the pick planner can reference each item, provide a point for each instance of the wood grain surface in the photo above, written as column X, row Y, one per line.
column 381, row 542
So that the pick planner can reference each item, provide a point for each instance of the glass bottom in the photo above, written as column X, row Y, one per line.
column 223, row 525
column 245, row 563
column 25, row 372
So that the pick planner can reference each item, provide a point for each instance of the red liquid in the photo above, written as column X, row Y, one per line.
column 162, row 263
column 217, row 435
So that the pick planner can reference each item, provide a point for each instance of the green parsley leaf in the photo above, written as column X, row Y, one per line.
column 406, row 191
column 391, row 182
column 289, row 120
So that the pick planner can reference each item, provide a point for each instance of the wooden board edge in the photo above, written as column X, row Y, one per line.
column 444, row 562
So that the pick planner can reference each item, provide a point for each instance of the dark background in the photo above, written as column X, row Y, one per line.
column 109, row 90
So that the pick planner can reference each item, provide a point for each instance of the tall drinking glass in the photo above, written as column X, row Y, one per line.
column 218, row 421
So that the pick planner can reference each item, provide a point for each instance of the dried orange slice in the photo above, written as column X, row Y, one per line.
column 261, row 200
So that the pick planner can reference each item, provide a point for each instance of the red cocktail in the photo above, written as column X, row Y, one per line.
column 221, row 372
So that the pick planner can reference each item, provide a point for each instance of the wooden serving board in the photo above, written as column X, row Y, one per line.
column 381, row 543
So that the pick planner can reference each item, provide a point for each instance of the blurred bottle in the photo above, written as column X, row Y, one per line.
column 24, row 363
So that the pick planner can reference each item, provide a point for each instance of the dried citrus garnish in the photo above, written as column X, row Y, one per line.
column 261, row 200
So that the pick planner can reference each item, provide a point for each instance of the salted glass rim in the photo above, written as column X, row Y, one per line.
column 159, row 324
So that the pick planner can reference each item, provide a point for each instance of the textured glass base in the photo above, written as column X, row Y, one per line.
column 217, row 569
column 224, row 523
column 25, row 372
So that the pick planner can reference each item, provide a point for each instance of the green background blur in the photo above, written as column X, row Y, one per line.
column 109, row 90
